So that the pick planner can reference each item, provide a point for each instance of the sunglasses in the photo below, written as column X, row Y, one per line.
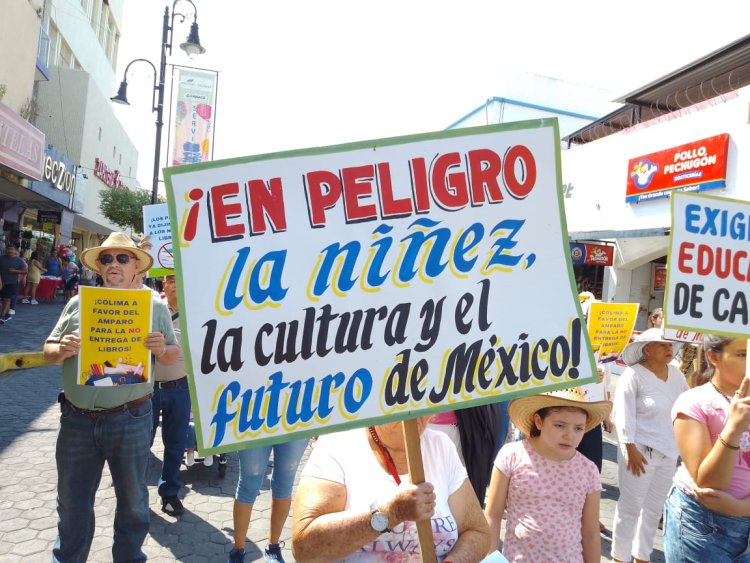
column 109, row 258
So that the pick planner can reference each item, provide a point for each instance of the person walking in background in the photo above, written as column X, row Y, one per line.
column 708, row 509
column 53, row 265
column 33, row 277
column 69, row 276
column 105, row 424
column 11, row 266
column 171, row 400
column 475, row 431
column 550, row 491
column 253, row 463
column 656, row 318
column 647, row 456
column 591, row 444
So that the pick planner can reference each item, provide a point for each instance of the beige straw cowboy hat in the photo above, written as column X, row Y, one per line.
column 117, row 241
column 522, row 410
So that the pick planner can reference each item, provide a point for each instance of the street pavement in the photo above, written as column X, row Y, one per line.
column 28, row 424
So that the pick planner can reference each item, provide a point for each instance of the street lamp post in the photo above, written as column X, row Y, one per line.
column 191, row 46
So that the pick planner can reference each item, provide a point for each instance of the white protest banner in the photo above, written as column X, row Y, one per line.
column 156, row 227
column 683, row 336
column 344, row 286
column 708, row 265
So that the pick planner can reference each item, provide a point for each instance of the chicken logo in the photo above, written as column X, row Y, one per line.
column 598, row 255
column 643, row 172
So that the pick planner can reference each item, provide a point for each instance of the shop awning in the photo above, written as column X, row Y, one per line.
column 620, row 234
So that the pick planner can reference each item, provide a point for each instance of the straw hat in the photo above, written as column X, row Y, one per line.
column 522, row 410
column 116, row 241
column 633, row 352
column 586, row 298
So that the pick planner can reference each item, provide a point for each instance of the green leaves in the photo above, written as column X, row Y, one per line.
column 124, row 207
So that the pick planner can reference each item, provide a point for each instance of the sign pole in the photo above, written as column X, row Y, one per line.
column 416, row 475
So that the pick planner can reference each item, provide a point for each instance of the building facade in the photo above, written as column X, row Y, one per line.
column 686, row 131
column 72, row 57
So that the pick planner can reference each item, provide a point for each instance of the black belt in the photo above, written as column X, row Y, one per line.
column 113, row 410
column 170, row 384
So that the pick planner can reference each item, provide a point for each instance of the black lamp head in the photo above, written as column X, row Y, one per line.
column 122, row 94
column 192, row 45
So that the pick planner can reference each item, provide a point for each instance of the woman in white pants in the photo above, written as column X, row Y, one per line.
column 647, row 457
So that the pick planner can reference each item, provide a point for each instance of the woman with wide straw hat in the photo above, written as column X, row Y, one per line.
column 550, row 490
column 647, row 456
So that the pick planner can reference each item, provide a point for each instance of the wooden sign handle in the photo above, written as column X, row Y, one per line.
column 416, row 475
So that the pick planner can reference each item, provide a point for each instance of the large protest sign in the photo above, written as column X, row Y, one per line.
column 343, row 286
column 114, row 324
column 709, row 265
column 156, row 227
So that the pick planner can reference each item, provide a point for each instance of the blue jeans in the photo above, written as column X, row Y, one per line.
column 83, row 445
column 504, row 425
column 174, row 406
column 692, row 532
column 253, row 463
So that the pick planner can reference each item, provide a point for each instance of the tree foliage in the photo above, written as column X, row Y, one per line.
column 124, row 207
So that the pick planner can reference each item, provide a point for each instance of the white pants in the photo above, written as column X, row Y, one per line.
column 640, row 504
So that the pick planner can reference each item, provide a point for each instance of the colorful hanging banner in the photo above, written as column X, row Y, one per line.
column 194, row 112
column 114, row 324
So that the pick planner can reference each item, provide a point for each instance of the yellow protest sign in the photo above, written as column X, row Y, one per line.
column 610, row 325
column 114, row 324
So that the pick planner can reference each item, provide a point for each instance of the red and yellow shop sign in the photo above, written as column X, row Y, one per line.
column 694, row 167
column 597, row 254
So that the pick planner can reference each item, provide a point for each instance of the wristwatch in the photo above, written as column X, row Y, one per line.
column 378, row 520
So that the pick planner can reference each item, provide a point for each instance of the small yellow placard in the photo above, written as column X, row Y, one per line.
column 114, row 325
column 610, row 326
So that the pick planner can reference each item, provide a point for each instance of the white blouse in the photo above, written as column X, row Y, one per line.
column 643, row 405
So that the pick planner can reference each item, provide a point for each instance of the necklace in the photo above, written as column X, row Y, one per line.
column 386, row 454
column 720, row 392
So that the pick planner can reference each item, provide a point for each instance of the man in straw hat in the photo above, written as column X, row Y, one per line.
column 99, row 424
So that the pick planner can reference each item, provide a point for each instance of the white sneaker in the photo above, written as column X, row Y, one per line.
column 208, row 461
column 190, row 458
column 12, row 311
column 34, row 302
column 26, row 301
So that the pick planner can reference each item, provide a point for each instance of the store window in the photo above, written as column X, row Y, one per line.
column 589, row 277
column 54, row 44
column 38, row 237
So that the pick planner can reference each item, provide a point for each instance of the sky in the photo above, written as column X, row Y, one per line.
column 300, row 73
